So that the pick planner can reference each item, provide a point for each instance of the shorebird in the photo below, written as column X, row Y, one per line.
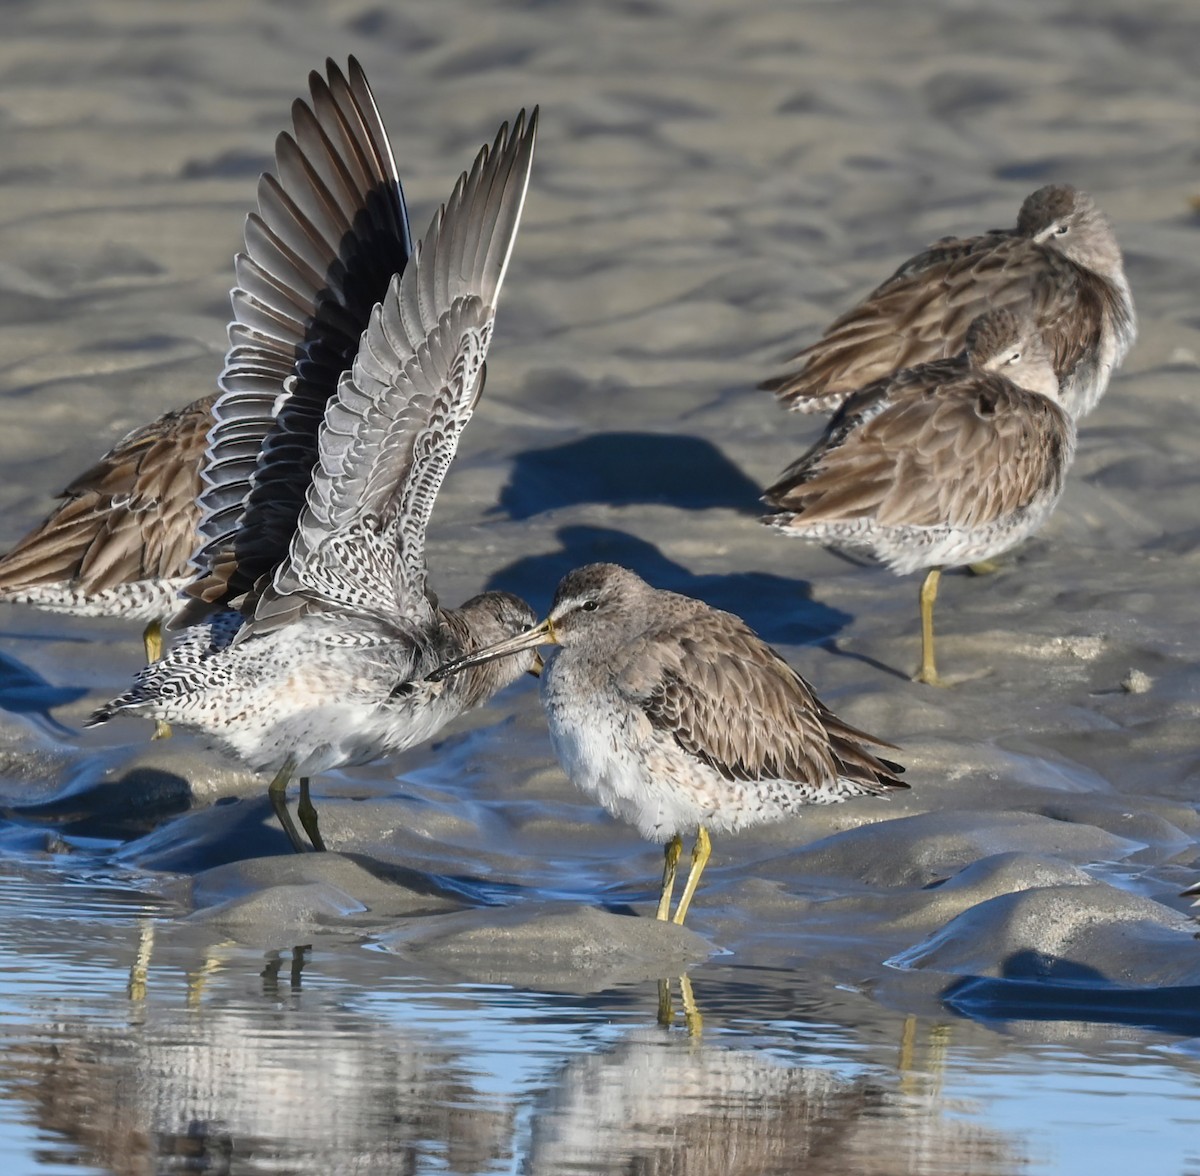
column 310, row 626
column 120, row 542
column 1061, row 262
column 947, row 463
column 333, row 222
column 677, row 716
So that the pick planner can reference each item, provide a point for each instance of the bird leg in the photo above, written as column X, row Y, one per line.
column 197, row 981
column 929, row 590
column 153, row 642
column 701, row 852
column 277, row 792
column 691, row 1014
column 307, row 813
column 666, row 1014
column 674, row 848
column 140, row 969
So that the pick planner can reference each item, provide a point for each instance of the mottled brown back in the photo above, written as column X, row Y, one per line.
column 132, row 516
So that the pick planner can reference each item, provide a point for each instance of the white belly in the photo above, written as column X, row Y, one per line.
column 305, row 694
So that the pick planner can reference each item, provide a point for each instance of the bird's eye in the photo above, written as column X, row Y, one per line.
column 1014, row 357
column 1062, row 230
column 589, row 606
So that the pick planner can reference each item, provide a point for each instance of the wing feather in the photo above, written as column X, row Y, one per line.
column 683, row 677
column 937, row 445
column 922, row 313
column 131, row 517
column 392, row 430
column 330, row 232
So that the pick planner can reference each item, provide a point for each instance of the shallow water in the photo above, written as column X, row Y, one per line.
column 136, row 1043
column 991, row 974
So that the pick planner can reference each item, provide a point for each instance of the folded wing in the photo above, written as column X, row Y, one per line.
column 937, row 445
column 922, row 312
column 778, row 731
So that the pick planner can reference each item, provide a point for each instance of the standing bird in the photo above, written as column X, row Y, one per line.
column 311, row 625
column 120, row 542
column 333, row 227
column 947, row 463
column 1061, row 262
column 679, row 717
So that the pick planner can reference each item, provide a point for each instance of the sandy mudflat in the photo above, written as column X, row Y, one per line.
column 714, row 182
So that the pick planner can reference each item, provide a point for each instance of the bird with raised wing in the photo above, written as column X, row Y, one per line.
column 332, row 223
column 311, row 625
column 946, row 463
column 1061, row 264
column 679, row 718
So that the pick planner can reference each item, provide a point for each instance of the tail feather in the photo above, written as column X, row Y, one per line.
column 160, row 686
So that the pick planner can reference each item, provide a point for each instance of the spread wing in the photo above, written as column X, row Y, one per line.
column 131, row 517
column 391, row 432
column 941, row 444
column 330, row 232
column 921, row 313
column 777, row 730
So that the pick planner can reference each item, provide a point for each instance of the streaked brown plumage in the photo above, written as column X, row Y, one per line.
column 677, row 716
column 120, row 542
column 1061, row 264
column 946, row 463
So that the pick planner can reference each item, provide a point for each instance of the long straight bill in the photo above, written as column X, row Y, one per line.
column 542, row 634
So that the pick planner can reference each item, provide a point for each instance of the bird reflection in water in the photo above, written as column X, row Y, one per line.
column 232, row 1083
column 692, row 1019
column 659, row 1103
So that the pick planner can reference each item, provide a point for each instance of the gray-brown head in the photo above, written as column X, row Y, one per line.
column 600, row 603
column 1067, row 220
column 487, row 620
column 1010, row 344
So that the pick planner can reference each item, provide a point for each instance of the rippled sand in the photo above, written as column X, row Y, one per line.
column 714, row 182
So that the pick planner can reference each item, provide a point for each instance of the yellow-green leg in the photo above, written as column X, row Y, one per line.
column 923, row 1077
column 307, row 813
column 666, row 1014
column 197, row 981
column 673, row 849
column 701, row 852
column 929, row 590
column 140, row 969
column 691, row 1013
column 277, row 793
column 152, row 640
column 984, row 567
